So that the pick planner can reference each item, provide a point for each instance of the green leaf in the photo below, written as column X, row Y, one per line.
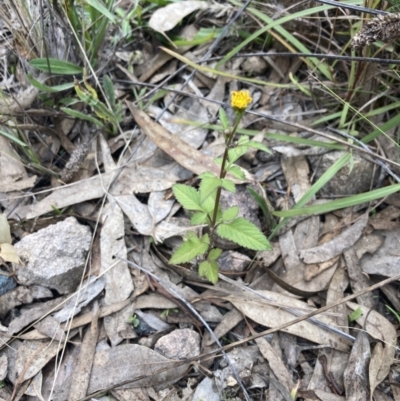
column 198, row 218
column 214, row 254
column 208, row 186
column 209, row 269
column 187, row 196
column 12, row 138
column 223, row 118
column 218, row 161
column 56, row 66
column 82, row 116
column 244, row 233
column 108, row 87
column 102, row 9
column 355, row 314
column 230, row 213
column 191, row 248
column 237, row 172
column 263, row 206
column 227, row 184
column 209, row 204
column 236, row 153
column 50, row 89
column 243, row 140
column 259, row 146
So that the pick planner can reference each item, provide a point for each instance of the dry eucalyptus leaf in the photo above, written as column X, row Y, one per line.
column 9, row 254
column 5, row 234
column 374, row 366
column 166, row 18
column 276, row 364
column 179, row 150
column 356, row 373
column 380, row 328
column 273, row 316
column 138, row 362
column 333, row 248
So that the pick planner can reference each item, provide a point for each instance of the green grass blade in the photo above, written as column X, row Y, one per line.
column 342, row 203
column 340, row 163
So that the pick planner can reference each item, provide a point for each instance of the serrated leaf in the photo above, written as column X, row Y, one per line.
column 214, row 254
column 198, row 218
column 209, row 269
column 244, row 233
column 228, row 185
column 56, row 66
column 218, row 161
column 207, row 174
column 209, row 204
column 259, row 146
column 223, row 118
column 243, row 139
column 230, row 213
column 82, row 116
column 189, row 250
column 237, row 172
column 236, row 153
column 208, row 185
column 187, row 196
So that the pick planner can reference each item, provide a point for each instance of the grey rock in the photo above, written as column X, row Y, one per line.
column 179, row 344
column 7, row 283
column 54, row 257
column 347, row 181
column 206, row 390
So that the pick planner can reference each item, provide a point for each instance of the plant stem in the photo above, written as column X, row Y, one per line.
column 222, row 174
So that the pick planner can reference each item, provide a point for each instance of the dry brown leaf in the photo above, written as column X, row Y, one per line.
column 374, row 367
column 380, row 328
column 276, row 364
column 272, row 316
column 5, row 232
column 338, row 245
column 81, row 375
column 185, row 155
column 385, row 261
column 138, row 362
column 29, row 358
column 356, row 373
column 358, row 280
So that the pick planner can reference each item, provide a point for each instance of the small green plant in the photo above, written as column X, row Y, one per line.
column 134, row 321
column 166, row 312
column 204, row 202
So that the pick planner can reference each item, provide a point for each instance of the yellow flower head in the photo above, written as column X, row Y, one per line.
column 240, row 100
